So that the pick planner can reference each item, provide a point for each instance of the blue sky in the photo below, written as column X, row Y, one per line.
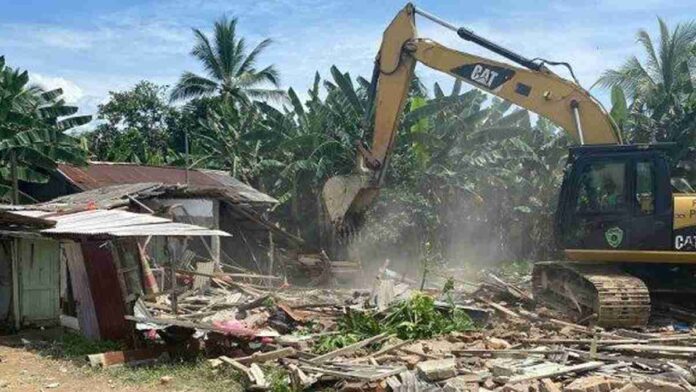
column 92, row 47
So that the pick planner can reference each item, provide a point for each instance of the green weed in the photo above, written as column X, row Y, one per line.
column 71, row 346
column 412, row 319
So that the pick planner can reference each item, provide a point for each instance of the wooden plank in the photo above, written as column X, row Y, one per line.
column 112, row 358
column 501, row 308
column 389, row 349
column 5, row 279
column 355, row 374
column 238, row 366
column 621, row 358
column 653, row 348
column 260, row 357
column 16, row 308
column 583, row 367
column 505, row 353
column 348, row 349
column 219, row 275
column 84, row 304
column 582, row 341
column 253, row 372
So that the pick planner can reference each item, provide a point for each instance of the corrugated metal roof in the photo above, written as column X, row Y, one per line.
column 104, row 198
column 238, row 188
column 10, row 221
column 101, row 174
column 117, row 223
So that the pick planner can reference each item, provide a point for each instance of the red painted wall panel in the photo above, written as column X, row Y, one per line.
column 106, row 291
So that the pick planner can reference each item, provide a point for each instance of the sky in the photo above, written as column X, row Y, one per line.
column 91, row 47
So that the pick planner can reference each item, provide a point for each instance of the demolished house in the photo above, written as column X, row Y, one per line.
column 81, row 268
column 208, row 198
column 104, row 229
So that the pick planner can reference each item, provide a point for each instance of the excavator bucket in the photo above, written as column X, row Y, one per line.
column 346, row 196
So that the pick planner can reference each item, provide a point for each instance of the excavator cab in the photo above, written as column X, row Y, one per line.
column 615, row 197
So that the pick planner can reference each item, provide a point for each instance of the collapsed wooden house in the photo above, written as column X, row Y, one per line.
column 208, row 198
column 82, row 269
column 103, row 235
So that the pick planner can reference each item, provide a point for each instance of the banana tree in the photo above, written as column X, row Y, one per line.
column 33, row 123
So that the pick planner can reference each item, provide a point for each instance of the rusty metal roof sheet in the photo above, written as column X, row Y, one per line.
column 10, row 221
column 101, row 174
column 106, row 198
column 236, row 188
column 116, row 223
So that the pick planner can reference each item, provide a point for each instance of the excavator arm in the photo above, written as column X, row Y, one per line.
column 534, row 88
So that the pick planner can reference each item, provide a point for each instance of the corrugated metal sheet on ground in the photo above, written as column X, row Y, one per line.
column 117, row 223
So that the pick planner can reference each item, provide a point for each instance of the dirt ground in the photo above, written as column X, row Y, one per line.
column 22, row 370
column 36, row 369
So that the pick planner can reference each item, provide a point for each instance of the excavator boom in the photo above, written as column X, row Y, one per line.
column 534, row 88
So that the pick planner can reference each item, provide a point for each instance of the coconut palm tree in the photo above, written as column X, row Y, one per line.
column 664, row 76
column 652, row 101
column 231, row 70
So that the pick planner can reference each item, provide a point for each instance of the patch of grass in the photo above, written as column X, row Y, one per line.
column 332, row 342
column 278, row 379
column 189, row 376
column 72, row 346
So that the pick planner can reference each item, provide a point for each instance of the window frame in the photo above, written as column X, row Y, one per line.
column 628, row 205
column 653, row 172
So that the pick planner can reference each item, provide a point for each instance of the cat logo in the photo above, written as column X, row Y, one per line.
column 490, row 77
column 685, row 242
column 483, row 75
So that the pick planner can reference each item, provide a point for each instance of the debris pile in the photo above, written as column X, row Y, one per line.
column 491, row 337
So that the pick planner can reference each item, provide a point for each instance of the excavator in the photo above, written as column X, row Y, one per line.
column 627, row 236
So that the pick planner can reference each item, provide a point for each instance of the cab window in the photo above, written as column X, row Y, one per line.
column 645, row 187
column 602, row 188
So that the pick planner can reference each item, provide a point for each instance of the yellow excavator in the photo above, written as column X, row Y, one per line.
column 627, row 236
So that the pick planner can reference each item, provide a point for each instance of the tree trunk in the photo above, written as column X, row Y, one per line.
column 15, row 177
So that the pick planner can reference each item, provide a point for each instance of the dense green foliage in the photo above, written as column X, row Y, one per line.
column 33, row 123
column 137, row 126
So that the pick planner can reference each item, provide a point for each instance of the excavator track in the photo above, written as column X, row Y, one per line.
column 604, row 293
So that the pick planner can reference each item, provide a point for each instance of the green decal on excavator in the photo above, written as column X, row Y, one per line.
column 614, row 236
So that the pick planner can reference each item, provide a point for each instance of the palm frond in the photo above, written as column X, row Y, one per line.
column 191, row 85
column 204, row 52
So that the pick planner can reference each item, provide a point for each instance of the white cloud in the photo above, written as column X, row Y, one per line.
column 72, row 93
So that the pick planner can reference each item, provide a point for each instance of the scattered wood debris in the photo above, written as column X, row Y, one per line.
column 242, row 321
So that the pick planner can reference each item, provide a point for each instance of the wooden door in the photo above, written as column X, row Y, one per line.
column 39, row 268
